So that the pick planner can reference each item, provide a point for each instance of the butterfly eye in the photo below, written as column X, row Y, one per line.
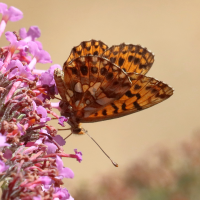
column 62, row 104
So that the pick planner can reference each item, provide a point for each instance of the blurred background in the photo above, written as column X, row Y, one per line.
column 170, row 29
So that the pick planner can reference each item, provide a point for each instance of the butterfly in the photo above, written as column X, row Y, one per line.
column 100, row 83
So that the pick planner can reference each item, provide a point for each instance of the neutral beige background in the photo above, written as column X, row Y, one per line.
column 171, row 29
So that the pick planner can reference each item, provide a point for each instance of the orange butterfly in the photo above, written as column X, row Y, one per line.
column 100, row 83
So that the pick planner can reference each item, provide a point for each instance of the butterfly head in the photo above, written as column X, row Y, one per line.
column 78, row 130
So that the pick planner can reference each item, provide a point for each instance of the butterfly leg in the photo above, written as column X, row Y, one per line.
column 68, row 136
column 64, row 129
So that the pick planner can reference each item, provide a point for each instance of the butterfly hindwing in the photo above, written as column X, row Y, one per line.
column 144, row 93
column 131, row 58
column 93, row 82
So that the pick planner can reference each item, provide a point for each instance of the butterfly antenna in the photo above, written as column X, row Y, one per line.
column 114, row 163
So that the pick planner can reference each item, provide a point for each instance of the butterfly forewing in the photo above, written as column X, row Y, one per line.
column 144, row 93
column 131, row 58
column 92, row 47
column 94, row 82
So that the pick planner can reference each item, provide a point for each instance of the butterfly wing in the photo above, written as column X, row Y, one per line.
column 144, row 93
column 130, row 58
column 92, row 47
column 93, row 82
column 97, row 87
column 59, row 79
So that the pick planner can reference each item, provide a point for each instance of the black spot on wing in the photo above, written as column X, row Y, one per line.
column 109, row 76
column 154, row 91
column 74, row 50
column 103, row 71
column 137, row 106
column 137, row 87
column 138, row 96
column 129, row 94
column 112, row 59
column 136, row 61
column 130, row 58
column 124, row 106
column 143, row 66
column 96, row 53
column 83, row 44
column 88, row 48
column 84, row 70
column 104, row 112
column 148, row 87
column 121, row 62
column 79, row 53
column 115, row 107
column 74, row 70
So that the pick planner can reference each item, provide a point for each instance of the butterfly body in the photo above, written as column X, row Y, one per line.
column 100, row 83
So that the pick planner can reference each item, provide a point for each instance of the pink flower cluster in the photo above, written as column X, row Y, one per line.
column 31, row 152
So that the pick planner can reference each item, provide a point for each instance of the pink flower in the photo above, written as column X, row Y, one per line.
column 43, row 113
column 3, row 167
column 3, row 141
column 18, row 69
column 47, row 81
column 30, row 146
column 11, row 14
column 51, row 148
column 8, row 154
column 39, row 55
column 56, row 105
column 59, row 140
column 61, row 120
column 61, row 194
column 33, row 33
column 14, row 45
column 78, row 155
column 45, row 180
column 37, row 198
column 63, row 171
